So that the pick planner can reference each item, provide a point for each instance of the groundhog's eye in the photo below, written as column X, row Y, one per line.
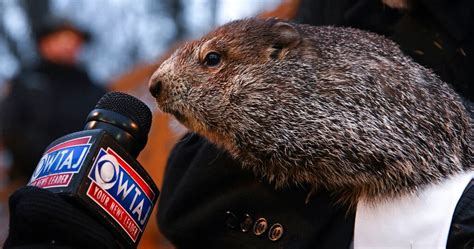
column 212, row 59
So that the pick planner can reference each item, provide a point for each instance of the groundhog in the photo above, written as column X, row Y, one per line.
column 330, row 107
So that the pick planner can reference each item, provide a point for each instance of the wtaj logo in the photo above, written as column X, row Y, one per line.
column 121, row 192
column 58, row 164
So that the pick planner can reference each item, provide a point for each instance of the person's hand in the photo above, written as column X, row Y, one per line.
column 40, row 219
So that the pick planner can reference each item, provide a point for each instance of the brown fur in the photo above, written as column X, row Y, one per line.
column 397, row 4
column 337, row 108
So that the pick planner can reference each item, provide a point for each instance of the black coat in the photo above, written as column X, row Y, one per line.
column 206, row 197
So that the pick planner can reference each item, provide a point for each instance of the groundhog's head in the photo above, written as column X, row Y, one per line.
column 333, row 107
column 221, row 83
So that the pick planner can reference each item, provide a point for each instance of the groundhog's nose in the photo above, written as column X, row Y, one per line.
column 155, row 88
column 159, row 79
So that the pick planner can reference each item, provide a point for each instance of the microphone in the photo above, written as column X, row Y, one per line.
column 97, row 168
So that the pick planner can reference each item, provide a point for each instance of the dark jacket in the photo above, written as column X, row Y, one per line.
column 208, row 201
column 461, row 233
column 44, row 103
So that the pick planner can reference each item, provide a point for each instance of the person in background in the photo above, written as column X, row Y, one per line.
column 47, row 100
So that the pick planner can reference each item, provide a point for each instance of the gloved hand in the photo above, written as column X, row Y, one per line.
column 40, row 219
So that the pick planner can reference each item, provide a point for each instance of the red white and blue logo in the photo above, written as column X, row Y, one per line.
column 58, row 164
column 121, row 192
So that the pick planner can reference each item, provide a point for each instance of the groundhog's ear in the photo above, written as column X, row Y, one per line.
column 286, row 35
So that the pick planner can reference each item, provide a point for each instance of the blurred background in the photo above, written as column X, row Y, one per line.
column 57, row 57
column 124, row 32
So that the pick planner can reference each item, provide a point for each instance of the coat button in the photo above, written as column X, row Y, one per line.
column 260, row 226
column 276, row 231
column 231, row 220
column 246, row 223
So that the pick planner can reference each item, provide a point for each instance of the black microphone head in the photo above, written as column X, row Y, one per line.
column 124, row 117
column 129, row 107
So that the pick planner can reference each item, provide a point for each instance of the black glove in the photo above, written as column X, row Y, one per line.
column 40, row 219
